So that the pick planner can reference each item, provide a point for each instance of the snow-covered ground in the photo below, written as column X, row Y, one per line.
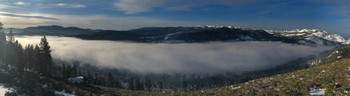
column 63, row 93
column 317, row 92
column 3, row 90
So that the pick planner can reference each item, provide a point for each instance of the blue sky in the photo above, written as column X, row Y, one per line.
column 330, row 15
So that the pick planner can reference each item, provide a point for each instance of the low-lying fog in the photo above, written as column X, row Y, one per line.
column 183, row 58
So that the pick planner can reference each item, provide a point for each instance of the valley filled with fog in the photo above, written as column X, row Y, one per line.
column 213, row 57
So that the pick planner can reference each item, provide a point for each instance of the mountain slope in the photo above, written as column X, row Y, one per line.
column 186, row 35
column 311, row 36
column 53, row 30
column 218, row 33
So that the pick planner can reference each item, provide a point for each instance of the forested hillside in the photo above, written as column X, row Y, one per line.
column 331, row 79
column 29, row 69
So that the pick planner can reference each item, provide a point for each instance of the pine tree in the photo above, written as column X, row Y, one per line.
column 184, row 85
column 89, row 77
column 47, row 63
column 138, row 84
column 11, row 37
column 37, row 61
column 74, row 70
column 19, row 60
column 161, row 85
column 1, row 26
column 29, row 57
column 2, row 44
column 148, row 84
column 10, row 51
column 96, row 78
column 131, row 84
column 110, row 80
column 64, row 71
column 117, row 84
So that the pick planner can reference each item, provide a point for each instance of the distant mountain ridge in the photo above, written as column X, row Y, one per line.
column 192, row 34
column 53, row 30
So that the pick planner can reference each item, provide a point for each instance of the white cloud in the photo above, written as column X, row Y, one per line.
column 61, row 4
column 65, row 5
column 78, row 6
column 21, row 3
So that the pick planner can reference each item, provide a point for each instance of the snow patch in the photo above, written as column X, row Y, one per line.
column 63, row 93
column 338, row 57
column 234, row 88
column 317, row 91
column 79, row 79
column 3, row 90
column 245, row 37
column 44, row 86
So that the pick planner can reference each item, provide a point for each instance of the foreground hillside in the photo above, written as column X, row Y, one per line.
column 332, row 78
column 327, row 79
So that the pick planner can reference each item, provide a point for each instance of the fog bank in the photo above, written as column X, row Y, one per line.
column 182, row 58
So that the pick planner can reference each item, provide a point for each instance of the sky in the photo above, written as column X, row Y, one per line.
column 330, row 15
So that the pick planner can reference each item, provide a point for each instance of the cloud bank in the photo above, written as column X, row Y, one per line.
column 26, row 16
column 136, row 6
column 180, row 58
column 65, row 5
column 95, row 21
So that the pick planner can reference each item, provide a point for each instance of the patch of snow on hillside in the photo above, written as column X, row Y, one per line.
column 234, row 88
column 246, row 37
column 338, row 57
column 3, row 90
column 317, row 92
column 79, row 79
column 63, row 93
column 347, row 41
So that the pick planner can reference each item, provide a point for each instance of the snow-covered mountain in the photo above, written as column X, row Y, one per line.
column 314, row 35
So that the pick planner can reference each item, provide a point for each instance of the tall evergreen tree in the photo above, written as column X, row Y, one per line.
column 29, row 56
column 110, row 80
column 1, row 26
column 161, row 85
column 96, row 78
column 19, row 60
column 64, row 71
column 138, row 84
column 117, row 84
column 37, row 61
column 47, row 63
column 148, row 84
column 2, row 44
column 184, row 85
column 131, row 84
column 11, row 36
